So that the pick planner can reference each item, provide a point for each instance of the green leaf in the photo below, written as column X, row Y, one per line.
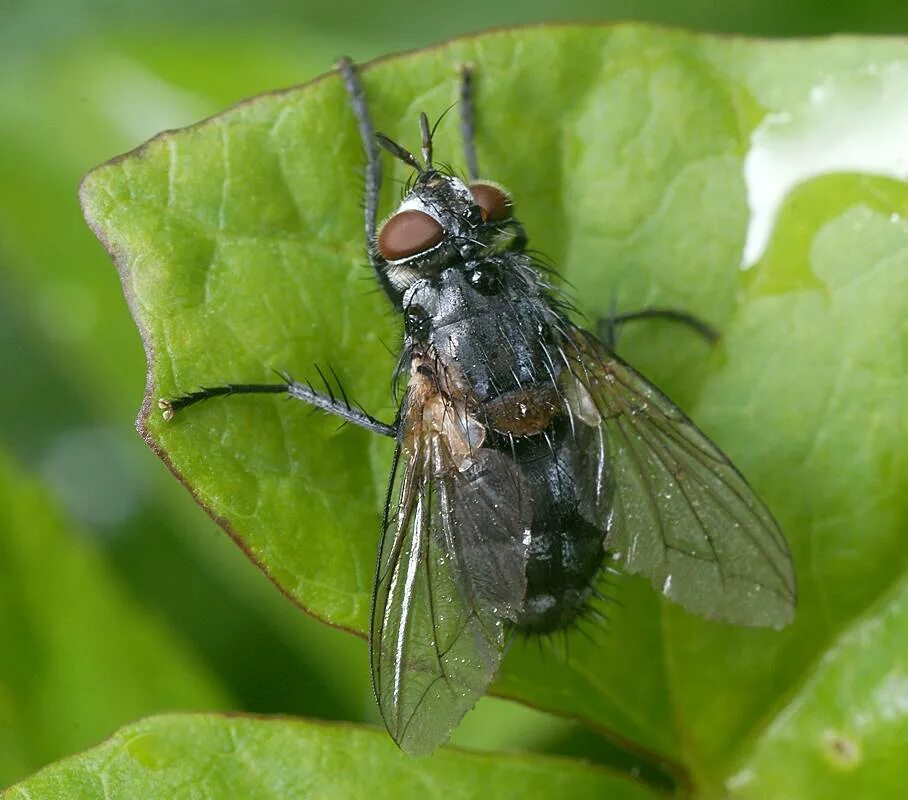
column 189, row 756
column 77, row 656
column 844, row 734
column 67, row 336
column 630, row 152
column 113, row 91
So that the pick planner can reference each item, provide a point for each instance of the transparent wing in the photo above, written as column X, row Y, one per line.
column 674, row 507
column 451, row 573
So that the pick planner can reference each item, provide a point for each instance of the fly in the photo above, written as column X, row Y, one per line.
column 527, row 452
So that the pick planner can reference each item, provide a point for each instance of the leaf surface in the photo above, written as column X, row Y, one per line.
column 641, row 161
column 78, row 656
column 210, row 757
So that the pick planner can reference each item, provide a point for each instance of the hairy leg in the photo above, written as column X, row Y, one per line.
column 360, row 108
column 326, row 401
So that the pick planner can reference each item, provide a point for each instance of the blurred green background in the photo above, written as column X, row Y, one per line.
column 160, row 610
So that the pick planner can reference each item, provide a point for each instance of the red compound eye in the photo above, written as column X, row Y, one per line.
column 408, row 233
column 494, row 203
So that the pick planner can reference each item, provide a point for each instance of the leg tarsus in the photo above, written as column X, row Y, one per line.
column 608, row 326
column 170, row 406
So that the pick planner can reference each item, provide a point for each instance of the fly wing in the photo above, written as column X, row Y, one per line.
column 451, row 574
column 674, row 507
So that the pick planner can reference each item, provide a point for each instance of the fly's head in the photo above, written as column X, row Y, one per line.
column 445, row 223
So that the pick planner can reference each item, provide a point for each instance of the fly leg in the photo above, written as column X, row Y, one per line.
column 609, row 326
column 467, row 126
column 372, row 188
column 326, row 401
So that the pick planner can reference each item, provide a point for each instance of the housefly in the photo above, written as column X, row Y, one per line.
column 527, row 452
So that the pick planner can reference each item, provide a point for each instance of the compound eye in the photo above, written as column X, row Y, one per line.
column 408, row 233
column 493, row 201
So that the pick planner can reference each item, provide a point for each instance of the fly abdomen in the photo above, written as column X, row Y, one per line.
column 563, row 563
column 565, row 550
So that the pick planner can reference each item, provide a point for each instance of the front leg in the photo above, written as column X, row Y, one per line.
column 372, row 189
column 327, row 401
